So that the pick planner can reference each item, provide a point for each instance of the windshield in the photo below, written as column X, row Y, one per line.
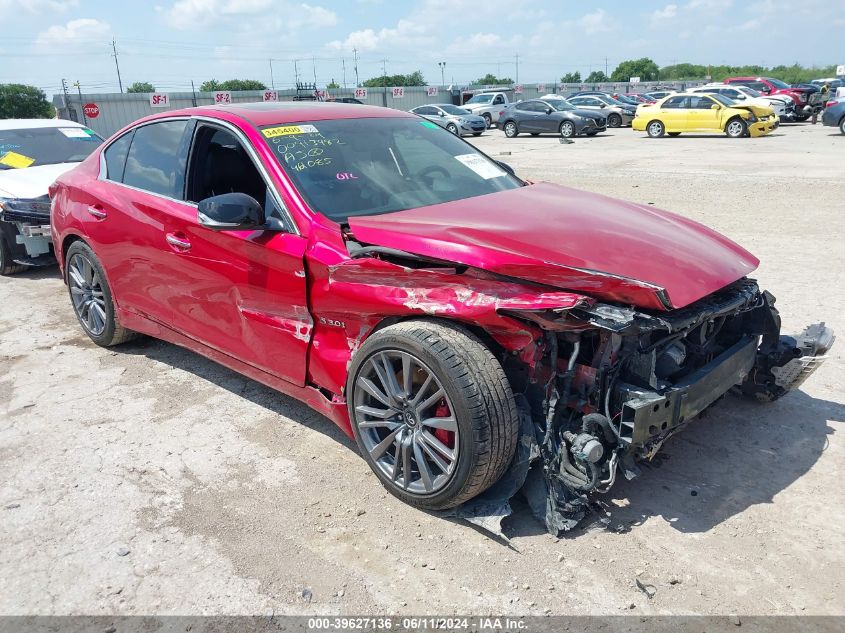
column 749, row 91
column 560, row 104
column 777, row 83
column 349, row 167
column 481, row 99
column 450, row 109
column 45, row 146
column 626, row 100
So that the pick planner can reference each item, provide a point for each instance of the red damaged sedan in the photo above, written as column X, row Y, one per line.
column 475, row 333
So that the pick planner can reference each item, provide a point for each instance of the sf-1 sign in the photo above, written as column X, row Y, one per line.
column 158, row 100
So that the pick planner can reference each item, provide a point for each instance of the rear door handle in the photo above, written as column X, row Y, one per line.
column 97, row 212
column 177, row 241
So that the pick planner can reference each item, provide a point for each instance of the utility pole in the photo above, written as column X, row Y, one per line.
column 71, row 113
column 384, row 81
column 517, row 68
column 193, row 94
column 81, row 105
column 296, row 70
column 314, row 68
column 116, row 65
column 442, row 71
column 272, row 82
column 343, row 63
column 355, row 64
column 605, row 68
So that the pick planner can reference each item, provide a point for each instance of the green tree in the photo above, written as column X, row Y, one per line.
column 571, row 78
column 596, row 77
column 683, row 71
column 212, row 85
column 491, row 80
column 242, row 84
column 333, row 85
column 414, row 79
column 643, row 68
column 141, row 86
column 18, row 101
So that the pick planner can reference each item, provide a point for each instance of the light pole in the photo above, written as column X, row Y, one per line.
column 442, row 73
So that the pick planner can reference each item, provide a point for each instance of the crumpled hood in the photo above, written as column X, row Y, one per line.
column 561, row 237
column 758, row 110
column 31, row 182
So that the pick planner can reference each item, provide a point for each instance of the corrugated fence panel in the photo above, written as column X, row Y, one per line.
column 117, row 110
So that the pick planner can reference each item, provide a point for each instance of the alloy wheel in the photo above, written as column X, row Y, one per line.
column 406, row 422
column 86, row 291
column 655, row 128
column 510, row 129
column 735, row 128
column 567, row 129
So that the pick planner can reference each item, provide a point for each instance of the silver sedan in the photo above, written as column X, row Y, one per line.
column 456, row 120
column 617, row 113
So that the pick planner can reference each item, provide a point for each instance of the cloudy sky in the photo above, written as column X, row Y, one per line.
column 171, row 42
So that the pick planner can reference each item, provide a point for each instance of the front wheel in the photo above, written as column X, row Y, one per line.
column 567, row 129
column 656, row 129
column 7, row 264
column 842, row 125
column 91, row 297
column 510, row 129
column 476, row 133
column 432, row 412
column 736, row 128
column 452, row 128
column 614, row 120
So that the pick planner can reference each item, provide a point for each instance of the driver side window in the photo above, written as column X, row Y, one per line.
column 220, row 164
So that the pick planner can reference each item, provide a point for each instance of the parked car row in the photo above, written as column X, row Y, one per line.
column 369, row 263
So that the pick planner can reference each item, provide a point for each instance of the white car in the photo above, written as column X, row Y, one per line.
column 783, row 105
column 33, row 153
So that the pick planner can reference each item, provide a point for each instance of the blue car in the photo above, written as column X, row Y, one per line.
column 834, row 114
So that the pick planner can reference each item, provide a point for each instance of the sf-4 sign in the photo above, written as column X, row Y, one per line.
column 158, row 100
column 223, row 96
column 398, row 93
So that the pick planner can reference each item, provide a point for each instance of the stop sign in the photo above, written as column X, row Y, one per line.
column 92, row 110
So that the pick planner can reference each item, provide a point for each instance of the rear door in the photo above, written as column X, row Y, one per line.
column 242, row 293
column 125, row 213
column 528, row 116
column 673, row 113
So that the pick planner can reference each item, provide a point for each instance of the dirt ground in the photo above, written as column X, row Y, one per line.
column 146, row 479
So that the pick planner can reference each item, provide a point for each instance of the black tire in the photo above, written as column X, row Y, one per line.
column 476, row 133
column 112, row 333
column 842, row 125
column 736, row 128
column 7, row 264
column 567, row 129
column 674, row 133
column 593, row 133
column 614, row 120
column 511, row 129
column 655, row 129
column 488, row 118
column 481, row 402
column 452, row 128
column 535, row 134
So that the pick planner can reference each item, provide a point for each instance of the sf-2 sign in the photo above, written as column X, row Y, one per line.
column 223, row 96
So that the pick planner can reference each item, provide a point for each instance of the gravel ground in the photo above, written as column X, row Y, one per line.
column 146, row 479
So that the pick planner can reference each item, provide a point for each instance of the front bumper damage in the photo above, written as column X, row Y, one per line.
column 28, row 230
column 614, row 383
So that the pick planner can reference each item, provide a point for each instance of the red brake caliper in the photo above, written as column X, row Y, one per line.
column 447, row 437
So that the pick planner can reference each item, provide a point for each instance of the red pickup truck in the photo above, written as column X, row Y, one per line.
column 803, row 97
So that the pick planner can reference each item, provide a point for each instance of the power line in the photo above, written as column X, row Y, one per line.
column 116, row 65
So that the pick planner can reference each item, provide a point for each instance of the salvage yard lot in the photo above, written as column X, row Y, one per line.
column 146, row 479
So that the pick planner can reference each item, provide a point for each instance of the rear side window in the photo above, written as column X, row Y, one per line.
column 156, row 159
column 674, row 102
column 116, row 157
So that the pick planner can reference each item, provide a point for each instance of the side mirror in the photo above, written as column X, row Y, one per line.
column 603, row 105
column 549, row 110
column 442, row 114
column 231, row 212
column 715, row 106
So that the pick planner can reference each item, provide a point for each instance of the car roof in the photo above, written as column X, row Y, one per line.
column 28, row 124
column 278, row 113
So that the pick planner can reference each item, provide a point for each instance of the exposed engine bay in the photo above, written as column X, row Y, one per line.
column 614, row 383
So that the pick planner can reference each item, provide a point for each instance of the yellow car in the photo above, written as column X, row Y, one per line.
column 696, row 112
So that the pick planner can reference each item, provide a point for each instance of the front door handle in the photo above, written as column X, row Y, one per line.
column 181, row 243
column 97, row 212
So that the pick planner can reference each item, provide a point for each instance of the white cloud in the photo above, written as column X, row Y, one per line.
column 10, row 7
column 666, row 13
column 596, row 22
column 193, row 14
column 406, row 33
column 76, row 32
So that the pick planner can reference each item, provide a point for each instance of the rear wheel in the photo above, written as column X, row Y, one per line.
column 614, row 120
column 488, row 119
column 656, row 129
column 7, row 264
column 91, row 297
column 432, row 412
column 736, row 128
column 567, row 129
column 511, row 130
column 842, row 125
